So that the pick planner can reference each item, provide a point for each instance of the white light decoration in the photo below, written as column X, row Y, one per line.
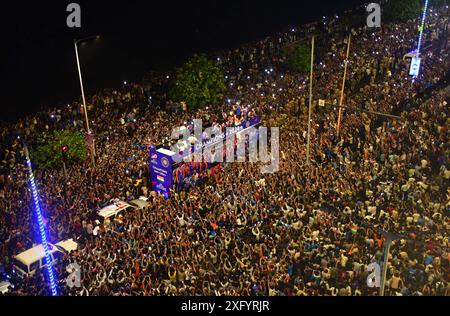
column 415, row 64
column 422, row 27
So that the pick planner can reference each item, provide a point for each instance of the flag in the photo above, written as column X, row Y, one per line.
column 160, row 178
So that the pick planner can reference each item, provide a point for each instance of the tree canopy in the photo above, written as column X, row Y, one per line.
column 402, row 10
column 200, row 81
column 298, row 57
column 48, row 154
column 439, row 3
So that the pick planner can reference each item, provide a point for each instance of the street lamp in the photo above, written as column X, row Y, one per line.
column 92, row 146
column 389, row 238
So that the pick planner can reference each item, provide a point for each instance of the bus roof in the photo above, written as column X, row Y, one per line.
column 37, row 253
column 68, row 245
column 113, row 209
column 34, row 254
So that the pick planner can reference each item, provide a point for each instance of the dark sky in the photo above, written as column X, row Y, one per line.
column 38, row 65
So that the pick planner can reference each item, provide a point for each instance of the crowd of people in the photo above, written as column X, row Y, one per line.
column 308, row 229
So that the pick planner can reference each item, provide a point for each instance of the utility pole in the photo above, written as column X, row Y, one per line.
column 343, row 84
column 90, row 136
column 389, row 238
column 367, row 111
column 310, row 101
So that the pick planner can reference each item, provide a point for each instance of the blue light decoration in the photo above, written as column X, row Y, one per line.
column 415, row 63
column 41, row 225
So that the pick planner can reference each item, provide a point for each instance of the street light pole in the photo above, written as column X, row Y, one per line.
column 389, row 238
column 82, row 88
column 310, row 102
column 92, row 146
column 387, row 249
column 343, row 84
column 365, row 111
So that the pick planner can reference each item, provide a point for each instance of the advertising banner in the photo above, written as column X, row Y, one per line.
column 161, row 170
column 415, row 66
column 228, row 133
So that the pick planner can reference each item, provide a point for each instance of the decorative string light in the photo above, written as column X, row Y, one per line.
column 422, row 27
column 38, row 212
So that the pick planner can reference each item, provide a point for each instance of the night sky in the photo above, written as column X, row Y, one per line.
column 37, row 54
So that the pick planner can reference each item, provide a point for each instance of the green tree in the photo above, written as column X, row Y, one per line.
column 298, row 57
column 200, row 81
column 439, row 3
column 401, row 10
column 47, row 152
